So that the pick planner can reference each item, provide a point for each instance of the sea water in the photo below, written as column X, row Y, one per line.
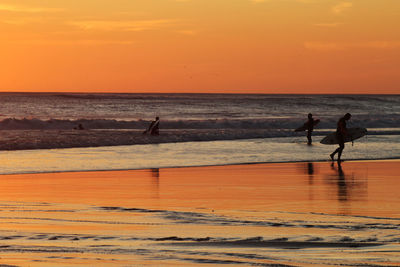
column 194, row 111
column 196, row 129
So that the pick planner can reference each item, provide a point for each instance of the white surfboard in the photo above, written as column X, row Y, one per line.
column 352, row 134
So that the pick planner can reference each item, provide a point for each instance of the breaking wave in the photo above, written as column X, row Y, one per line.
column 388, row 122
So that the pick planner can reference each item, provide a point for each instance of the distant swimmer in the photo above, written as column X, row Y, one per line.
column 80, row 127
column 341, row 133
column 154, row 127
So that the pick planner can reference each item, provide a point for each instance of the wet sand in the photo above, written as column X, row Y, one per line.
column 293, row 214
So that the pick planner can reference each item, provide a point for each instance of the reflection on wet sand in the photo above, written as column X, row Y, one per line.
column 309, row 170
column 155, row 173
column 155, row 181
column 267, row 214
column 349, row 187
column 341, row 182
column 343, row 185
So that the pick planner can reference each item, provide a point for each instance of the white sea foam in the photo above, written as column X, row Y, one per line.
column 272, row 124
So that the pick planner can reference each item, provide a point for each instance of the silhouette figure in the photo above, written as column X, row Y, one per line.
column 310, row 128
column 154, row 127
column 341, row 132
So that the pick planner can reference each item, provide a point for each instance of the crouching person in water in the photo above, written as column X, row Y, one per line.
column 154, row 127
column 341, row 132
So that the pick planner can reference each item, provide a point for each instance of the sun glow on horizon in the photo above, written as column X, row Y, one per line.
column 200, row 46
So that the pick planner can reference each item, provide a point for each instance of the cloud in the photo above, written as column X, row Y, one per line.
column 112, row 25
column 341, row 7
column 328, row 25
column 26, row 9
column 19, row 21
column 86, row 42
column 187, row 32
column 300, row 1
column 321, row 46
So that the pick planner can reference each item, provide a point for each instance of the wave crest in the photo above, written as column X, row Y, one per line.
column 265, row 123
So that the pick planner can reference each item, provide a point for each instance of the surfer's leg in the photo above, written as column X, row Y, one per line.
column 340, row 150
column 309, row 137
column 334, row 153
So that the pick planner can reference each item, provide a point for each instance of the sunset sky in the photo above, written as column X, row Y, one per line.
column 227, row 46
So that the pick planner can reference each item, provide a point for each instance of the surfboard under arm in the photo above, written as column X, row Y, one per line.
column 352, row 134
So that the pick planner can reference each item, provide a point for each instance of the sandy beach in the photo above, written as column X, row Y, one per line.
column 293, row 214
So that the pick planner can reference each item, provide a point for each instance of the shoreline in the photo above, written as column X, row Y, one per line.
column 208, row 166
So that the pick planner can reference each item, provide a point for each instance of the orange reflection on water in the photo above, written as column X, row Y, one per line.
column 356, row 188
column 119, row 215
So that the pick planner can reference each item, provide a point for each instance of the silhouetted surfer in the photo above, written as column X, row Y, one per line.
column 341, row 132
column 154, row 127
column 310, row 127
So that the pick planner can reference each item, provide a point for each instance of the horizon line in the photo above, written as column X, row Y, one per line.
column 193, row 93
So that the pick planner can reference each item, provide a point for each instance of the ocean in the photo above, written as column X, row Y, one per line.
column 109, row 195
column 37, row 129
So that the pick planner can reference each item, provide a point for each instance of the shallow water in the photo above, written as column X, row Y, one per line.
column 287, row 149
column 290, row 213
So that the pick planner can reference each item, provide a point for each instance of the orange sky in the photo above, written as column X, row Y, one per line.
column 235, row 46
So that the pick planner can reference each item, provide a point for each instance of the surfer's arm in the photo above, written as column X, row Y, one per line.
column 151, row 126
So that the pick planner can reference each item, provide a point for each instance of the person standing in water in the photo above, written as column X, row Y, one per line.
column 310, row 128
column 154, row 127
column 341, row 132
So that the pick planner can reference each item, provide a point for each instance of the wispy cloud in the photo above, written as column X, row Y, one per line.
column 20, row 21
column 112, row 25
column 321, row 46
column 300, row 1
column 341, row 7
column 258, row 1
column 328, row 25
column 86, row 42
column 27, row 9
column 187, row 32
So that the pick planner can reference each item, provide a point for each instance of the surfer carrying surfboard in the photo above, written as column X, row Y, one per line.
column 310, row 128
column 154, row 127
column 341, row 132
